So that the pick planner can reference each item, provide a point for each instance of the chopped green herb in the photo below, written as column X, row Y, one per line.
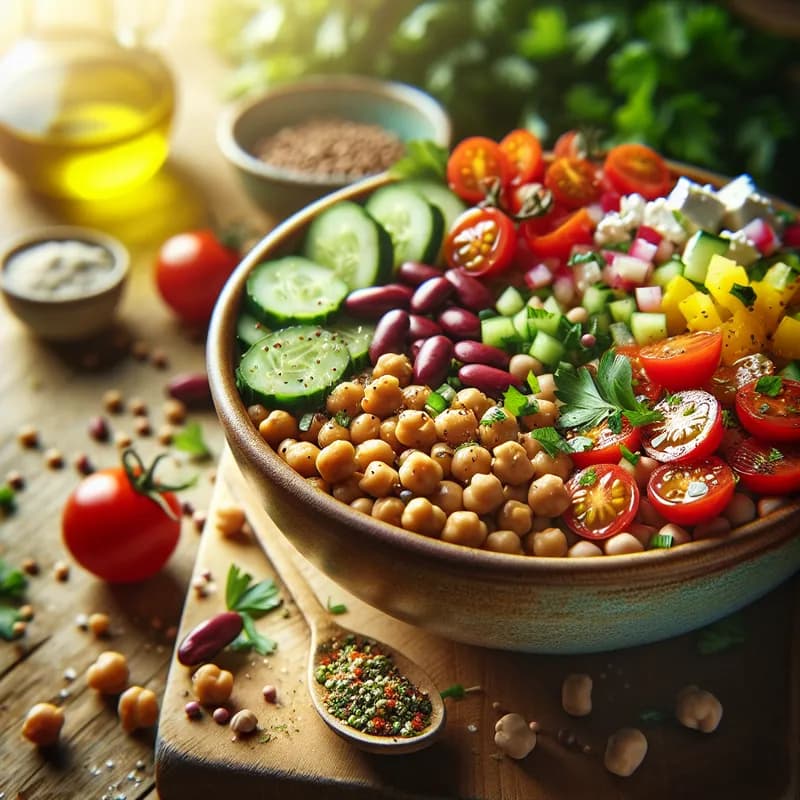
column 457, row 691
column 435, row 404
column 13, row 584
column 728, row 419
column 661, row 541
column 336, row 608
column 631, row 458
column 588, row 477
column 551, row 440
column 654, row 715
column 769, row 385
column 519, row 404
column 492, row 415
column 342, row 418
column 251, row 601
column 423, row 159
column 533, row 383
column 305, row 422
column 586, row 258
column 580, row 444
column 8, row 498
column 721, row 635
column 190, row 440
column 747, row 294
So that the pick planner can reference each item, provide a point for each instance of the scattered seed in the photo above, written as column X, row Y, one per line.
column 138, row 407
column 83, row 465
column 193, row 709
column 142, row 426
column 25, row 612
column 18, row 628
column 270, row 693
column 140, row 350
column 113, row 401
column 99, row 624
column 98, row 429
column 82, row 622
column 159, row 359
column 30, row 566
column 199, row 520
column 61, row 571
column 53, row 458
column 70, row 674
column 175, row 411
column 171, row 632
column 166, row 433
column 122, row 440
column 28, row 436
column 187, row 509
column 15, row 480
column 221, row 715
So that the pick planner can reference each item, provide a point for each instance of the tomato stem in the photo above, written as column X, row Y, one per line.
column 143, row 480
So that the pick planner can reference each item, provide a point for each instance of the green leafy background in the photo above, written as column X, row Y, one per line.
column 689, row 78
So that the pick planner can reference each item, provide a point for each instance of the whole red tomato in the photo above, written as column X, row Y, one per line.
column 191, row 269
column 120, row 524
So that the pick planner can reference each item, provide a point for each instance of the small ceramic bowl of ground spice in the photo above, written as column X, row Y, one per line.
column 300, row 141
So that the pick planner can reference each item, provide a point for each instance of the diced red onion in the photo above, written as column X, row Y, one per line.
column 648, row 298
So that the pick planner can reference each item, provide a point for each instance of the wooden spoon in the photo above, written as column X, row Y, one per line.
column 324, row 629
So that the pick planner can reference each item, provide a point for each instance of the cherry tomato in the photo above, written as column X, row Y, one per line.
column 691, row 427
column 571, row 144
column 474, row 165
column 773, row 419
column 603, row 500
column 557, row 242
column 766, row 469
column 523, row 152
column 684, row 361
column 604, row 446
column 574, row 182
column 636, row 168
column 113, row 526
column 729, row 378
column 191, row 269
column 688, row 494
column 644, row 388
column 481, row 242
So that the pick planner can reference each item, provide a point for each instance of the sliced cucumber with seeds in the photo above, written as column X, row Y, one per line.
column 346, row 239
column 437, row 194
column 249, row 330
column 357, row 335
column 294, row 368
column 416, row 226
column 294, row 290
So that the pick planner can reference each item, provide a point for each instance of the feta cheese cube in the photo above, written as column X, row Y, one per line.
column 698, row 205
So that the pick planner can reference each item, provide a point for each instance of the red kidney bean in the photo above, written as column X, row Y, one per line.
column 209, row 637
column 415, row 346
column 472, row 352
column 459, row 323
column 471, row 293
column 372, row 302
column 415, row 272
column 190, row 388
column 431, row 295
column 422, row 327
column 432, row 362
column 390, row 334
column 490, row 380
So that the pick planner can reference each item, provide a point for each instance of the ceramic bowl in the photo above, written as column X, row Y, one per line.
column 543, row 605
column 403, row 110
column 73, row 318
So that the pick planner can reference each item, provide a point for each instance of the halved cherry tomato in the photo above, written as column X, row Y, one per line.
column 603, row 445
column 474, row 166
column 773, row 419
column 636, row 168
column 766, row 469
column 571, row 144
column 574, row 182
column 603, row 500
column 567, row 231
column 481, row 242
column 690, row 429
column 524, row 154
column 643, row 387
column 729, row 378
column 688, row 494
column 684, row 361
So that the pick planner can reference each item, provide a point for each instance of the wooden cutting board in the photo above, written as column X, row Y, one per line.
column 754, row 754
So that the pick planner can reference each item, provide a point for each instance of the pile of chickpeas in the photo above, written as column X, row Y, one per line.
column 471, row 475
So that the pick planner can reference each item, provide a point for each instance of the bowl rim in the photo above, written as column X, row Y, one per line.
column 64, row 233
column 402, row 93
column 706, row 556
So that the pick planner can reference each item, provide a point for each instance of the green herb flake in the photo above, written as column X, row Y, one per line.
column 631, row 458
column 588, row 477
column 8, row 498
column 587, row 258
column 336, row 608
column 746, row 294
column 423, row 159
column 519, row 404
column 551, row 441
column 660, row 541
column 533, row 383
column 342, row 418
column 492, row 415
column 654, row 715
column 190, row 440
column 770, row 385
column 457, row 691
column 304, row 423
column 13, row 584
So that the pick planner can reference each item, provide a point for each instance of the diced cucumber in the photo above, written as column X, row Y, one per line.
column 497, row 331
column 521, row 323
column 437, row 194
column 779, row 275
column 293, row 368
column 621, row 333
column 599, row 322
column 547, row 349
column 596, row 297
column 414, row 225
column 552, row 305
column 622, row 309
column 249, row 330
column 648, row 327
column 293, row 290
column 346, row 239
column 357, row 335
column 665, row 272
column 545, row 321
column 510, row 301
column 697, row 253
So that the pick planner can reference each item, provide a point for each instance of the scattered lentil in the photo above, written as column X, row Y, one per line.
column 98, row 429
column 221, row 715
column 30, row 566
column 165, row 435
column 199, row 520
column 18, row 629
column 113, row 401
column 159, row 359
column 61, row 571
column 138, row 407
column 25, row 612
column 99, row 624
column 175, row 411
column 142, row 426
column 270, row 693
column 193, row 709
column 53, row 458
column 83, row 464
column 15, row 480
column 28, row 436
column 140, row 350
column 122, row 440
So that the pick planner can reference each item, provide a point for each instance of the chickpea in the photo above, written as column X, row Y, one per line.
column 421, row 516
column 740, row 510
column 416, row 396
column 470, row 460
column 348, row 490
column 625, row 751
column 284, row 445
column 420, row 474
column 346, row 397
column 310, row 426
column 521, row 365
column 212, row 686
column 515, row 516
column 302, row 457
column 503, row 541
column 547, row 387
column 511, row 463
column 483, row 494
column 641, row 470
column 766, row 505
column 577, row 314
column 244, row 721
column 497, row 425
column 473, row 399
column 256, row 412
column 560, row 465
column 449, row 497
column 332, row 431
column 137, row 708
column 336, row 462
column 545, row 417
column 622, row 543
column 362, row 504
column 644, row 533
column 318, row 483
column 380, row 480
column 456, row 426
column 548, row 496
column 229, row 520
column 389, row 509
column 466, row 528
column 415, row 429
column 679, row 535
column 532, row 446
column 99, row 624
column 584, row 549
column 382, row 396
column 364, row 427
column 518, row 493
column 373, row 450
column 42, row 724
column 698, row 709
column 388, row 432
column 547, row 543
column 109, row 673
column 648, row 515
column 576, row 695
column 442, row 454
column 394, row 364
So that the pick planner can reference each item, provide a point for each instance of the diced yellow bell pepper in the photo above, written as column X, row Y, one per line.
column 770, row 303
column 786, row 339
column 678, row 288
column 700, row 312
column 722, row 274
column 742, row 335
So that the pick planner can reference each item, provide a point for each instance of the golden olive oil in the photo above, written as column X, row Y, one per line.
column 84, row 119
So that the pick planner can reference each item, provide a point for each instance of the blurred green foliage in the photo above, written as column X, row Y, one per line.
column 688, row 78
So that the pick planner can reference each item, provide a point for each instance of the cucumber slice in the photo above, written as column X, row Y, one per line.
column 294, row 290
column 621, row 334
column 510, row 301
column 250, row 330
column 622, row 309
column 697, row 253
column 596, row 297
column 547, row 349
column 543, row 320
column 437, row 194
column 414, row 225
column 498, row 331
column 294, row 368
column 346, row 239
column 665, row 272
column 648, row 327
column 357, row 335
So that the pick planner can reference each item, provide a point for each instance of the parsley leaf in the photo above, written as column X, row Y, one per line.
column 519, row 404
column 747, row 294
column 8, row 498
column 190, row 440
column 551, row 441
column 251, row 639
column 769, row 385
column 12, row 590
column 588, row 477
column 423, row 159
column 583, row 405
column 251, row 601
column 533, row 382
